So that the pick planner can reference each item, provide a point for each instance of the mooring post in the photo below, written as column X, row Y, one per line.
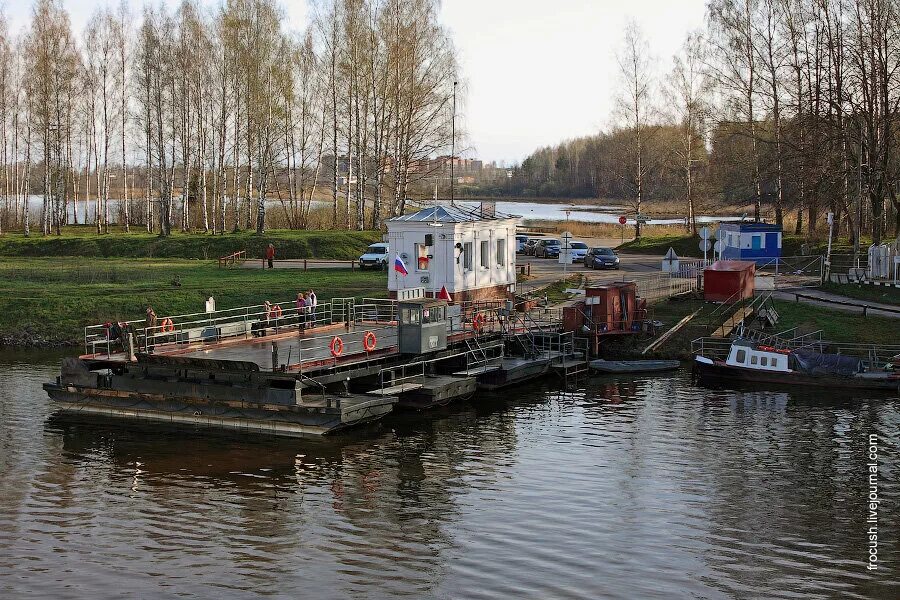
column 129, row 341
column 274, row 356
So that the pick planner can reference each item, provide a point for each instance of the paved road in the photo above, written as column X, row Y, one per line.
column 546, row 271
column 299, row 263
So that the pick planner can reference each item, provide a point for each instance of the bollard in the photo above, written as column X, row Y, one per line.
column 130, row 347
column 274, row 356
column 865, row 310
column 304, row 264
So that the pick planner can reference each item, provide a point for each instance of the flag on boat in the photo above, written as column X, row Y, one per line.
column 399, row 266
column 444, row 294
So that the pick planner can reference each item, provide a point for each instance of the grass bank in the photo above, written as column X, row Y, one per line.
column 48, row 301
column 83, row 241
column 870, row 293
column 836, row 326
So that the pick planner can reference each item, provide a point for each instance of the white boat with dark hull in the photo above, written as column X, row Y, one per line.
column 751, row 363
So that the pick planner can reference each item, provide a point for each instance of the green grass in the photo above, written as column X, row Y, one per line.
column 48, row 301
column 836, row 325
column 84, row 241
column 689, row 246
column 871, row 293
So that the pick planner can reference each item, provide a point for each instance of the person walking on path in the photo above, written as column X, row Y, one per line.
column 270, row 255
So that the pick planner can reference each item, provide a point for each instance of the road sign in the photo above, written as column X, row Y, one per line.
column 566, row 236
column 641, row 218
column 704, row 235
column 622, row 220
column 718, row 246
column 705, row 245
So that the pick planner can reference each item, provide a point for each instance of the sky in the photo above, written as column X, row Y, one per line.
column 534, row 72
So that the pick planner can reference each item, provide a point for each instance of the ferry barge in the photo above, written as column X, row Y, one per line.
column 295, row 372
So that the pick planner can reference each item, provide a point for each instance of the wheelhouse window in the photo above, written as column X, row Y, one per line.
column 741, row 356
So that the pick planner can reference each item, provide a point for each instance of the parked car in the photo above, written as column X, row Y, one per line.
column 577, row 251
column 547, row 248
column 530, row 245
column 601, row 258
column 375, row 257
column 521, row 240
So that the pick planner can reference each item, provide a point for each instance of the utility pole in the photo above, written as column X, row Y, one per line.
column 453, row 144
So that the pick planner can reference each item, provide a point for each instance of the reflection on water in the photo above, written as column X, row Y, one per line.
column 624, row 488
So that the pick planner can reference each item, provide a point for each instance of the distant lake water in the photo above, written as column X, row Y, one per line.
column 600, row 213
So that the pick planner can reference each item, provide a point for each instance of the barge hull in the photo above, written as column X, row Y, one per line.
column 248, row 420
column 724, row 374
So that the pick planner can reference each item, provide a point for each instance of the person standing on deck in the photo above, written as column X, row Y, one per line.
column 270, row 255
column 150, row 327
column 312, row 301
column 301, row 310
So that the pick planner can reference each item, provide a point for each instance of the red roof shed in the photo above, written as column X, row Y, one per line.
column 728, row 280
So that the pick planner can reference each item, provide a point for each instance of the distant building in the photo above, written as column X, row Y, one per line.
column 759, row 242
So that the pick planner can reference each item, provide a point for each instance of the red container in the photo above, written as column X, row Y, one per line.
column 729, row 280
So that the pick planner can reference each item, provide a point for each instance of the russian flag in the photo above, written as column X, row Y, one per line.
column 399, row 266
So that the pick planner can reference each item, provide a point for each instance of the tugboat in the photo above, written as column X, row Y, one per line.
column 749, row 362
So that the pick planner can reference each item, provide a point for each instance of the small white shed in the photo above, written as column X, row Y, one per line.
column 468, row 250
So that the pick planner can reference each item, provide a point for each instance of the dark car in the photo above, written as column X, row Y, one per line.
column 548, row 248
column 530, row 246
column 601, row 258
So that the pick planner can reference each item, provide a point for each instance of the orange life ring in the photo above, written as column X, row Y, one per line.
column 478, row 322
column 167, row 325
column 337, row 346
column 369, row 341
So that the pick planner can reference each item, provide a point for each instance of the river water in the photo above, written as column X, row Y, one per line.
column 625, row 488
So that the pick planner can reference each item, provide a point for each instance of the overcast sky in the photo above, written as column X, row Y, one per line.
column 535, row 72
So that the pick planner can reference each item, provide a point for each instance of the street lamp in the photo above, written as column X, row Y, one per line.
column 452, row 143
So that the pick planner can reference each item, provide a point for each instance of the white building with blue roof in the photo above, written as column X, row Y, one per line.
column 469, row 250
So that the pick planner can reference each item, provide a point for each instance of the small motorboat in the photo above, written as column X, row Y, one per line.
column 751, row 363
column 634, row 366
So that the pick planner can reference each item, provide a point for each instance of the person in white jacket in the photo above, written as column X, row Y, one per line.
column 311, row 303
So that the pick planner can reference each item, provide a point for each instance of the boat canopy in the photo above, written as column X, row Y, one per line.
column 816, row 363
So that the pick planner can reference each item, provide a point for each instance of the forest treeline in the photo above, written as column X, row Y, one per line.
column 789, row 107
column 191, row 118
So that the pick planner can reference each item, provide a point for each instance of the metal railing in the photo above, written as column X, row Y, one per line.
column 214, row 326
column 233, row 259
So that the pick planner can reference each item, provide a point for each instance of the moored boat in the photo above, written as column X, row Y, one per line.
column 750, row 363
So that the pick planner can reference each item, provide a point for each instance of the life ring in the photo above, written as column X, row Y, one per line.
column 337, row 346
column 167, row 325
column 369, row 341
column 478, row 322
column 275, row 313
